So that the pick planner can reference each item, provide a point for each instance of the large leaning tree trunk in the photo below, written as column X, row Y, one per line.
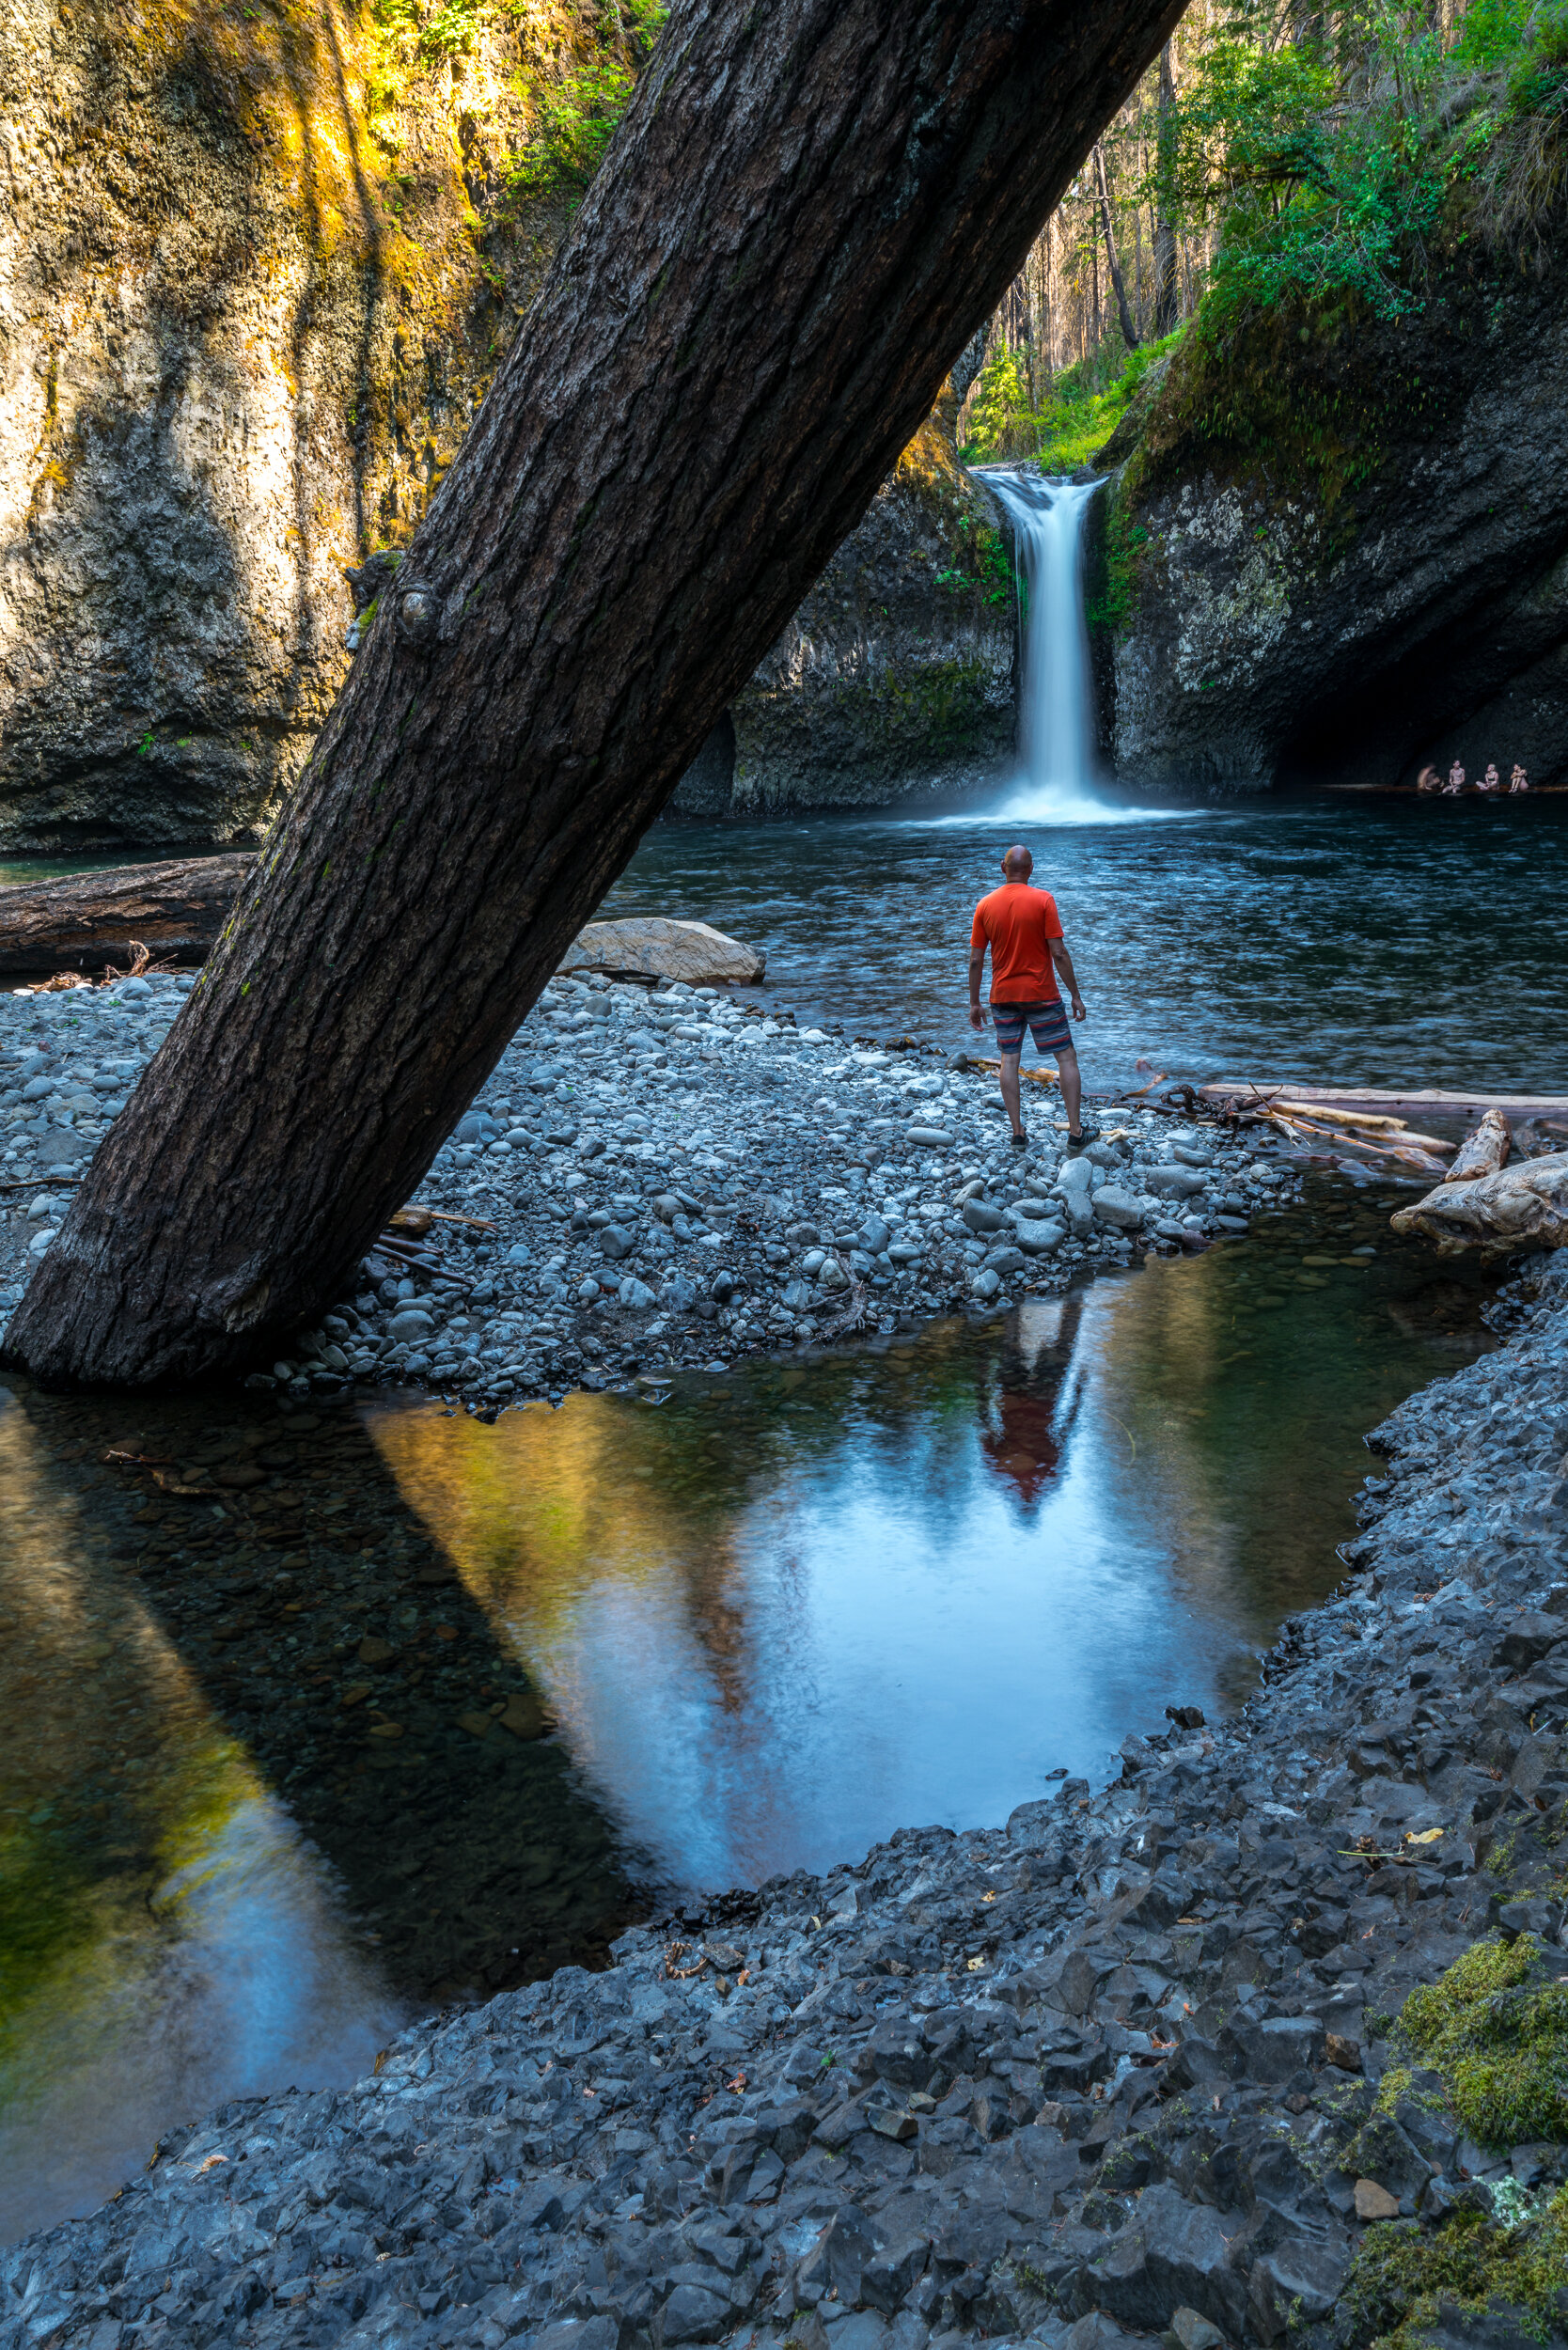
column 807, row 213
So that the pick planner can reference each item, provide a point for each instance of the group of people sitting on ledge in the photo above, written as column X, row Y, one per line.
column 1488, row 784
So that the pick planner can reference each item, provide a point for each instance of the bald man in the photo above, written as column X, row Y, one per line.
column 1023, row 929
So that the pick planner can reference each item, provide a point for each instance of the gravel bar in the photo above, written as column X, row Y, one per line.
column 669, row 1175
column 1138, row 2063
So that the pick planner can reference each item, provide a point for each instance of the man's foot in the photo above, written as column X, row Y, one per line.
column 1020, row 1141
column 1081, row 1140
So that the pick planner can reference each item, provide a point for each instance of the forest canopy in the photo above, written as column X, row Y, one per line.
column 1278, row 155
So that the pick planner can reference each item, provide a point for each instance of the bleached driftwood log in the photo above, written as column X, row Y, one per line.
column 1522, row 1206
column 1483, row 1150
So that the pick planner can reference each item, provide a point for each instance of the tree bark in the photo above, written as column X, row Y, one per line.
column 92, row 920
column 1166, row 291
column 807, row 212
column 1129, row 331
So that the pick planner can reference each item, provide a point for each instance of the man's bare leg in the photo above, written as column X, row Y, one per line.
column 1008, row 1077
column 1072, row 1086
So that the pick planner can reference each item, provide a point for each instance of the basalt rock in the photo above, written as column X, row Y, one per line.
column 1335, row 550
column 896, row 675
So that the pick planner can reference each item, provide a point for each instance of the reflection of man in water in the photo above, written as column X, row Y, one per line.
column 1024, row 1448
column 1023, row 929
column 1022, row 1430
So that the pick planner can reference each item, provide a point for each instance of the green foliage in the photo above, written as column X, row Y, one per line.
column 1499, row 2041
column 993, row 574
column 1001, row 398
column 576, row 117
column 1399, row 2275
column 1333, row 164
column 1077, row 416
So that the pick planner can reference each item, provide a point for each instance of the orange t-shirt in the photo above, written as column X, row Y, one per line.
column 1015, row 922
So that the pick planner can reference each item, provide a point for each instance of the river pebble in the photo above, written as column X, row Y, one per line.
column 663, row 1176
column 1130, row 2067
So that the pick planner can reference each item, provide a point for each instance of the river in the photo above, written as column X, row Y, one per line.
column 1367, row 941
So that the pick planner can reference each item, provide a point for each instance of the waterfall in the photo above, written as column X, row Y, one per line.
column 1055, row 695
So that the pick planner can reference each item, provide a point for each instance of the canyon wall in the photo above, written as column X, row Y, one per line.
column 1334, row 549
column 258, row 261
column 257, row 264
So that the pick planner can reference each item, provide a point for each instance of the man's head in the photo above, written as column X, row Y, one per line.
column 1017, row 865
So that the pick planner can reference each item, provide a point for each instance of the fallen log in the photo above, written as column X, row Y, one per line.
column 1522, row 1206
column 1483, row 1152
column 1434, row 1101
column 90, row 921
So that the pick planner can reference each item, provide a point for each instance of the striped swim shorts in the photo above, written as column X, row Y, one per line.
column 1046, row 1023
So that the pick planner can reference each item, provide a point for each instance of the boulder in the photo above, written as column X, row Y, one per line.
column 1118, row 1208
column 1171, row 2255
column 655, row 946
column 1172, row 1183
column 1522, row 1206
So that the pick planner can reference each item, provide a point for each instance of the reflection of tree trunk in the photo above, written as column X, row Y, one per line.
column 1129, row 331
column 1167, row 293
column 805, row 213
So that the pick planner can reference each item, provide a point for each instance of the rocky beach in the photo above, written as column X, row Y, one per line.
column 1160, row 2058
column 658, row 1174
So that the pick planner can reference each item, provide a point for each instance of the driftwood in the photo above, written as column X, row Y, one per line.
column 1522, row 1206
column 1434, row 1102
column 89, row 920
column 1483, row 1152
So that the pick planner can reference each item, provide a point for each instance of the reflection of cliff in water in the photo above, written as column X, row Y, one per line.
column 232, row 1847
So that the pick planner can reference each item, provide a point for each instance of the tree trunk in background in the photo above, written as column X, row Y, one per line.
column 1166, row 285
column 1129, row 331
column 808, row 210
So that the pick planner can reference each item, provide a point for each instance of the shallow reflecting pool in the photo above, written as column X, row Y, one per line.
column 307, row 1716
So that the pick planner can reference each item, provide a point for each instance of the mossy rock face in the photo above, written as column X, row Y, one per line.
column 265, row 261
column 1496, row 2027
column 1493, row 2032
column 1336, row 548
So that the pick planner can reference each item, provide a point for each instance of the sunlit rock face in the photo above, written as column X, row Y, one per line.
column 255, row 268
column 1334, row 552
column 896, row 675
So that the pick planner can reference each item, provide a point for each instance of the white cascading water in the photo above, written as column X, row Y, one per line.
column 1055, row 694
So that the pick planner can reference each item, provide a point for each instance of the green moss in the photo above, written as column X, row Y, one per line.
column 1077, row 416
column 988, row 569
column 941, row 705
column 1401, row 2276
column 1500, row 2041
